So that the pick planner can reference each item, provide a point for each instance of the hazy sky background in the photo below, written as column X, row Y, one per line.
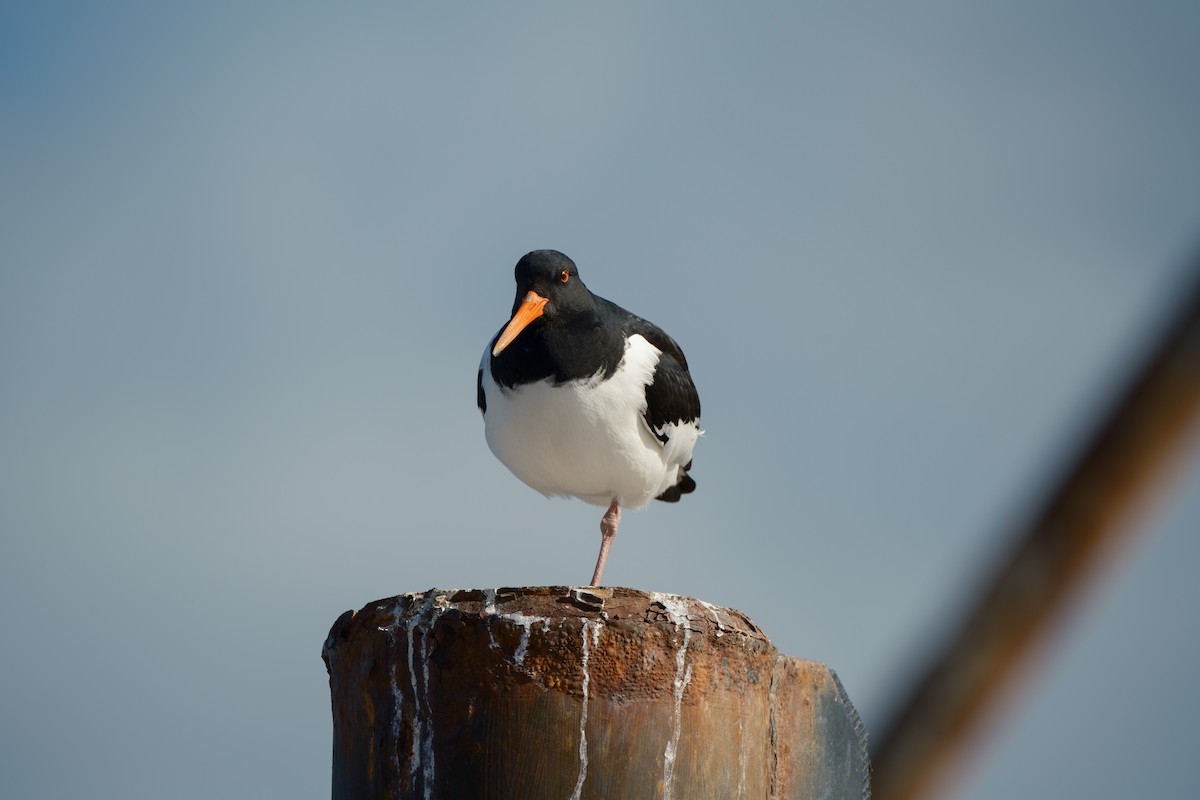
column 252, row 254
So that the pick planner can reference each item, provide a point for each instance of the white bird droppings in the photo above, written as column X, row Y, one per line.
column 583, row 715
column 677, row 611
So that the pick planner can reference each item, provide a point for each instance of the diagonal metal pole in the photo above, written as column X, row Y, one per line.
column 1061, row 545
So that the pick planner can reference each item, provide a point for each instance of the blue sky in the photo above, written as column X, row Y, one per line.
column 252, row 256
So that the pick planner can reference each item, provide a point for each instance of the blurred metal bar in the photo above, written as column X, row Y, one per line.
column 1089, row 509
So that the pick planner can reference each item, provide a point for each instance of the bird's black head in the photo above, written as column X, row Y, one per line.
column 549, row 292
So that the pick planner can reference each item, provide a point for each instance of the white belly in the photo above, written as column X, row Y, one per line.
column 586, row 438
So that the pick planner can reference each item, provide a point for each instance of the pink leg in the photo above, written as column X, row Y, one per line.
column 608, row 532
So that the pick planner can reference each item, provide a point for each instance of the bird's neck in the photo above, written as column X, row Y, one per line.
column 563, row 353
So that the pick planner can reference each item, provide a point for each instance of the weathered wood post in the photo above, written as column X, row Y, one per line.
column 580, row 694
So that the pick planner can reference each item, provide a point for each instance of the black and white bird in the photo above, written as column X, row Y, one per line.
column 582, row 398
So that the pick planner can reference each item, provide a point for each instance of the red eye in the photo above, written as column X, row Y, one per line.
column 564, row 276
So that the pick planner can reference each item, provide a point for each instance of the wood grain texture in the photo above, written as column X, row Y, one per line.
column 594, row 694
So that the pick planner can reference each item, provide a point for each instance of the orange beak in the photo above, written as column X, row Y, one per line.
column 529, row 310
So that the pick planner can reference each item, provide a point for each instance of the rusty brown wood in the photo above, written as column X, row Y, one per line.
column 598, row 693
column 1085, row 513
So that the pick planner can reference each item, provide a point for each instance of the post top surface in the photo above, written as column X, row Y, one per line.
column 604, row 603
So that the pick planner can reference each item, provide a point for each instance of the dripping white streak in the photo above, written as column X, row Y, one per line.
column 421, row 758
column 583, row 754
column 397, row 695
column 418, row 726
column 713, row 611
column 526, row 622
column 673, row 745
column 427, row 742
column 489, row 611
column 677, row 611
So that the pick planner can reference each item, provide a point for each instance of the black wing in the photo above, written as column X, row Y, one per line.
column 672, row 397
column 480, row 399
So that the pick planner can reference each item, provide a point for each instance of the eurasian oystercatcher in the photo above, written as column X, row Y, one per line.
column 580, row 397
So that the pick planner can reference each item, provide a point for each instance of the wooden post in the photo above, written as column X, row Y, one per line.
column 580, row 694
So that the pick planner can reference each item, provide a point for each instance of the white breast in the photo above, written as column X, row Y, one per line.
column 587, row 438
